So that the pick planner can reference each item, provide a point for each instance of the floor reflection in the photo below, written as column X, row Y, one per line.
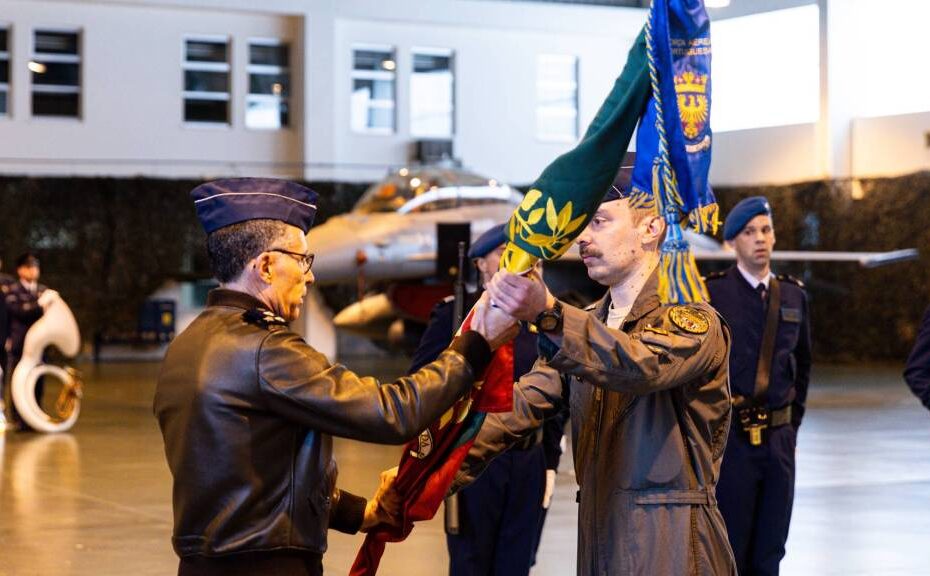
column 97, row 501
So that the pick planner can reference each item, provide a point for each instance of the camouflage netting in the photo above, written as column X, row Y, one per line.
column 857, row 313
column 107, row 243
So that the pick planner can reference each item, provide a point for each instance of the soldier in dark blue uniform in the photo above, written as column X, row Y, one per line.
column 917, row 371
column 502, row 513
column 770, row 362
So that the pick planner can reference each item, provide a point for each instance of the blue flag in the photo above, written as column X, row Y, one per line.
column 673, row 144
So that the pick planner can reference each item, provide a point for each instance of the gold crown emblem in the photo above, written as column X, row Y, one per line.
column 691, row 83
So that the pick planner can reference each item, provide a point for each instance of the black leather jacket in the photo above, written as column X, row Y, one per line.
column 247, row 410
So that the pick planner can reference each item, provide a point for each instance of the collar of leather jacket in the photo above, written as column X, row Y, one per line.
column 234, row 298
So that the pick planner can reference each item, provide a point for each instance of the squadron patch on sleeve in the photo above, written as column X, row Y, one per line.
column 691, row 320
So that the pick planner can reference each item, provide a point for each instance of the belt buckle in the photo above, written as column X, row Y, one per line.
column 754, row 420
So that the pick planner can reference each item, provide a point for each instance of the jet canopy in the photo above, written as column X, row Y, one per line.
column 431, row 189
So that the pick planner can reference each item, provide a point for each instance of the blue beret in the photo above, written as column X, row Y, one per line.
column 225, row 202
column 744, row 211
column 487, row 242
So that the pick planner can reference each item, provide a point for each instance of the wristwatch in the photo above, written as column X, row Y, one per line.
column 549, row 320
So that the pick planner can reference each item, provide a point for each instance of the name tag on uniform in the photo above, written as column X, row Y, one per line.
column 791, row 314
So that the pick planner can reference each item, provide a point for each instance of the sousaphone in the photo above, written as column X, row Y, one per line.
column 57, row 327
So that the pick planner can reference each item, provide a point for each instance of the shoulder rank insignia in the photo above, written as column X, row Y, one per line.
column 263, row 317
column 689, row 319
column 715, row 275
column 791, row 279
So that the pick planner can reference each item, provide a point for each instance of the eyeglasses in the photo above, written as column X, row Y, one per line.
column 305, row 260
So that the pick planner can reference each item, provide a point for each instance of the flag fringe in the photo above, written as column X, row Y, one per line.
column 680, row 281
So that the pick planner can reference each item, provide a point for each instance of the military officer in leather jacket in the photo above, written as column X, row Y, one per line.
column 650, row 406
column 248, row 409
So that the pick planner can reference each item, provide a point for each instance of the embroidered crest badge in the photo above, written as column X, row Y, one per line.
column 689, row 319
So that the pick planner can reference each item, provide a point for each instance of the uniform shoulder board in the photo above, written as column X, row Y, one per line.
column 448, row 299
column 264, row 318
column 791, row 279
column 715, row 275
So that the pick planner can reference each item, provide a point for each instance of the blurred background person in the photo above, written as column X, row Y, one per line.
column 500, row 516
column 917, row 371
column 26, row 301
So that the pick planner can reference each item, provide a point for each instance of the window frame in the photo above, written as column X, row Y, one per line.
column 6, row 56
column 375, row 75
column 34, row 88
column 227, row 67
column 554, row 111
column 269, row 69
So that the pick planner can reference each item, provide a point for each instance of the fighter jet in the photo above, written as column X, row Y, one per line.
column 390, row 234
column 389, row 239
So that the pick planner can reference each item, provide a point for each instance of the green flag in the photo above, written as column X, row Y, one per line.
column 566, row 195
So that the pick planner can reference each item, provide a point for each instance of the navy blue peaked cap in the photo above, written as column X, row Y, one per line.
column 233, row 200
column 622, row 181
column 488, row 241
column 744, row 211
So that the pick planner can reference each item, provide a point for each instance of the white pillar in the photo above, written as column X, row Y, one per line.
column 838, row 93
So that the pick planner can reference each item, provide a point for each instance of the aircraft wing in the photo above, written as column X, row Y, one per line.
column 865, row 259
column 706, row 248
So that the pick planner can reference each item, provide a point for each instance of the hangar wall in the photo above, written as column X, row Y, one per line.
column 132, row 81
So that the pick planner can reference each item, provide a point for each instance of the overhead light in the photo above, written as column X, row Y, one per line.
column 716, row 3
column 857, row 191
column 37, row 67
column 415, row 182
column 403, row 172
column 389, row 65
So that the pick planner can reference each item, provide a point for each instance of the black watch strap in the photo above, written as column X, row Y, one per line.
column 549, row 320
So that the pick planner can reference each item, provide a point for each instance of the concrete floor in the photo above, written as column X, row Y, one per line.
column 97, row 501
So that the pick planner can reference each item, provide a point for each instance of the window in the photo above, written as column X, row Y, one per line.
column 373, row 73
column 885, row 36
column 432, row 93
column 777, row 82
column 4, row 71
column 206, row 80
column 56, row 74
column 557, row 98
column 269, row 85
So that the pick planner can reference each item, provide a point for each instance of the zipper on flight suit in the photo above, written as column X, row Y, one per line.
column 599, row 406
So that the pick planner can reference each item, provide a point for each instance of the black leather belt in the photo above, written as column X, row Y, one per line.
column 753, row 420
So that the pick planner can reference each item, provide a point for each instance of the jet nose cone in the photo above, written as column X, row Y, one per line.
column 335, row 244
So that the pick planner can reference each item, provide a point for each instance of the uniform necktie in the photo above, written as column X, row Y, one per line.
column 763, row 293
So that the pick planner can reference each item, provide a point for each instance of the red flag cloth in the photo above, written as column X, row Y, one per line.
column 430, row 462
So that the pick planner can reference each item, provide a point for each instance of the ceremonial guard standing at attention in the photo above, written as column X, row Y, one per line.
column 770, row 362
